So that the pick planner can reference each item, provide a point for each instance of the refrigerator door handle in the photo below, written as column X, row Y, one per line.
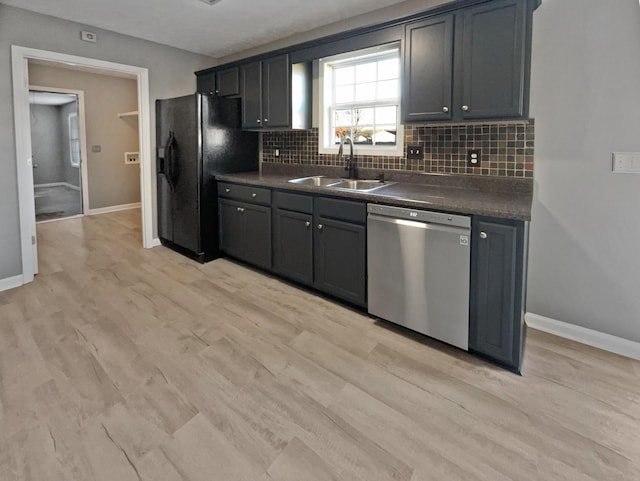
column 167, row 165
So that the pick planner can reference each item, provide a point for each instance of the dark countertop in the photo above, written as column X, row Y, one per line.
column 508, row 204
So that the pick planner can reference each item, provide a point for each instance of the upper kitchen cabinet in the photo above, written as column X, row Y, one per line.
column 471, row 64
column 224, row 83
column 493, row 60
column 228, row 82
column 428, row 69
column 276, row 94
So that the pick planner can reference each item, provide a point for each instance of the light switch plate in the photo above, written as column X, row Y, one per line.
column 626, row 162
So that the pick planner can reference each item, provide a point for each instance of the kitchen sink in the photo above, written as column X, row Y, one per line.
column 359, row 185
column 317, row 180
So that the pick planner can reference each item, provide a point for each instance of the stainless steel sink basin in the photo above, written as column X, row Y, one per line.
column 360, row 185
column 316, row 180
column 341, row 184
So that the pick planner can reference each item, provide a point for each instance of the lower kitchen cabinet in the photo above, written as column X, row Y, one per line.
column 293, row 245
column 498, row 260
column 245, row 231
column 340, row 259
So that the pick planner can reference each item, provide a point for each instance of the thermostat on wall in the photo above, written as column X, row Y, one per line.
column 132, row 157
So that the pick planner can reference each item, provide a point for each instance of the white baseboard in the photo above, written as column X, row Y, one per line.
column 114, row 208
column 155, row 243
column 59, row 184
column 11, row 283
column 607, row 342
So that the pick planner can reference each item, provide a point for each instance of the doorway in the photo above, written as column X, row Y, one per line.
column 24, row 156
column 57, row 141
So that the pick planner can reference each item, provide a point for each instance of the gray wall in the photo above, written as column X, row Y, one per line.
column 111, row 181
column 584, row 266
column 170, row 75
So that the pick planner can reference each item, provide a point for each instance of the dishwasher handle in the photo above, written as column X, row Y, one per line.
column 419, row 224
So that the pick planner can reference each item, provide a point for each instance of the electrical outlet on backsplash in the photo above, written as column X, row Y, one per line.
column 505, row 149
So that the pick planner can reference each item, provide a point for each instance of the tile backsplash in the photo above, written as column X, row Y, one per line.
column 506, row 149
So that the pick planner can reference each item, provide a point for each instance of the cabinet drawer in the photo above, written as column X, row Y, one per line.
column 346, row 210
column 293, row 202
column 245, row 193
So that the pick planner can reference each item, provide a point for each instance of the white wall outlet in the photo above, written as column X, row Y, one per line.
column 626, row 162
column 132, row 157
column 88, row 36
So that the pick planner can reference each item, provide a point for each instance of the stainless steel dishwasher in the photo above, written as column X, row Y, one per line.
column 418, row 263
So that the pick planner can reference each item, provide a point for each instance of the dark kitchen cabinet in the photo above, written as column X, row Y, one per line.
column 428, row 70
column 340, row 245
column 493, row 60
column 245, row 231
column 293, row 236
column 498, row 260
column 468, row 65
column 228, row 82
column 266, row 93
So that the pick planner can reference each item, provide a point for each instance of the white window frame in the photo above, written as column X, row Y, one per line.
column 72, row 140
column 325, row 102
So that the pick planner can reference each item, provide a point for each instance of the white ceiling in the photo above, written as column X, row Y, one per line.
column 227, row 27
column 50, row 98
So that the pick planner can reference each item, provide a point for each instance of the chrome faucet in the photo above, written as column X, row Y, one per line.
column 351, row 161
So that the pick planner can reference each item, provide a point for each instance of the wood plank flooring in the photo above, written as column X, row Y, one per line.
column 120, row 363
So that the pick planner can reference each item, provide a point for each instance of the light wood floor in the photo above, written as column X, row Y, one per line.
column 121, row 364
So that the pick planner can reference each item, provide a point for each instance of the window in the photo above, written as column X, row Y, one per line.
column 74, row 139
column 360, row 99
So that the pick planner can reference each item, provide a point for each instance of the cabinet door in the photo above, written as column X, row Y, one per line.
column 428, row 70
column 206, row 83
column 276, row 101
column 251, row 82
column 495, row 324
column 228, row 82
column 494, row 60
column 231, row 227
column 340, row 259
column 257, row 235
column 293, row 245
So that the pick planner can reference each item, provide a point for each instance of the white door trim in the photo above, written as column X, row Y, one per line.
column 20, row 77
column 83, row 137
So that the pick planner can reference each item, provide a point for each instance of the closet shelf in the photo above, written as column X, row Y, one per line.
column 128, row 114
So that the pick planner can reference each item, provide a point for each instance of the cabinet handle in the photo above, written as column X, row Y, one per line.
column 266, row 120
column 320, row 226
column 254, row 195
column 241, row 209
column 217, row 91
column 227, row 190
column 483, row 235
column 258, row 120
column 465, row 108
column 445, row 109
column 307, row 224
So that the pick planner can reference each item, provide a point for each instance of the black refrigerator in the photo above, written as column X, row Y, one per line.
column 197, row 137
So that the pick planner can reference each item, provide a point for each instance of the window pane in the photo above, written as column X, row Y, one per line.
column 388, row 69
column 363, row 135
column 366, row 72
column 385, row 135
column 341, row 132
column 344, row 94
column 343, row 118
column 365, row 92
column 388, row 89
column 386, row 115
column 344, row 75
column 363, row 116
